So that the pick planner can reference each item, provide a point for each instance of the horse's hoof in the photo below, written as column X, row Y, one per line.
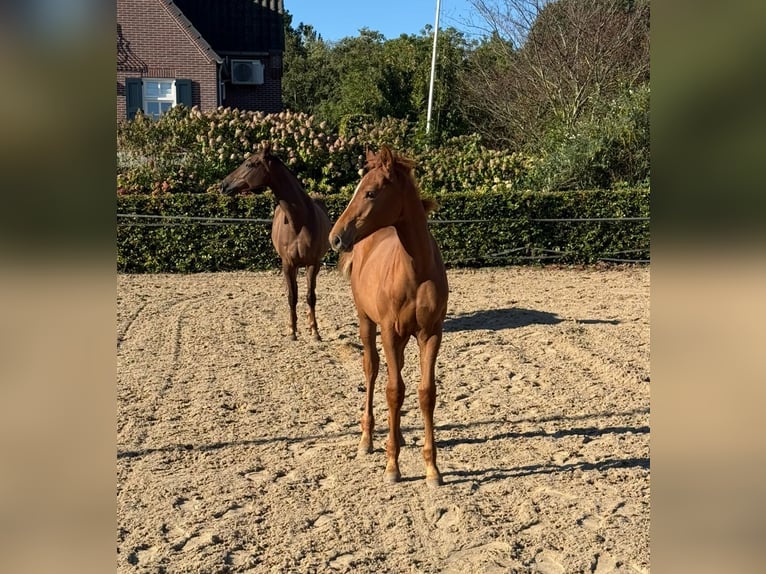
column 434, row 481
column 392, row 477
column 364, row 449
column 293, row 337
column 317, row 337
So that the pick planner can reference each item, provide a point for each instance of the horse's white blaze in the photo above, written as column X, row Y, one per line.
column 358, row 185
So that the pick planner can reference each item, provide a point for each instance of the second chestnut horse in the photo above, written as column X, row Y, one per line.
column 399, row 283
column 299, row 228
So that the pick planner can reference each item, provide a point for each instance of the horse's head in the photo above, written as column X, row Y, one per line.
column 378, row 201
column 251, row 175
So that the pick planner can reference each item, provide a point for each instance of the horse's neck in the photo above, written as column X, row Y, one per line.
column 289, row 194
column 415, row 237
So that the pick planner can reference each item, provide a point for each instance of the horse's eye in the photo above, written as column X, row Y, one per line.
column 370, row 195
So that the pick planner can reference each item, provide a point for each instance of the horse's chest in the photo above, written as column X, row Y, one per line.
column 387, row 304
column 295, row 247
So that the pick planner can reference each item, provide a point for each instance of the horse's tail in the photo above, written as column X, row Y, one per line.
column 345, row 261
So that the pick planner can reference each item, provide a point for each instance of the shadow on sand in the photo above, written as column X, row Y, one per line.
column 499, row 319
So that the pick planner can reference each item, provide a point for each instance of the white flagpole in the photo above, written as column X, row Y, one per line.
column 433, row 70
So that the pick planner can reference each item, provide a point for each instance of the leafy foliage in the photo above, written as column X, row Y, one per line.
column 607, row 149
column 525, row 129
column 188, row 151
column 180, row 246
column 547, row 65
column 490, row 228
column 370, row 76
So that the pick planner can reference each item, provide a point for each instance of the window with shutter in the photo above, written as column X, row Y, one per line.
column 184, row 92
column 159, row 96
column 155, row 96
column 133, row 97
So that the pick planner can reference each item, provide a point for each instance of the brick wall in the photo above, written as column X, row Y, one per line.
column 151, row 43
column 266, row 97
column 154, row 45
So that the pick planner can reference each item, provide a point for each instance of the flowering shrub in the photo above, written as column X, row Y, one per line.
column 190, row 151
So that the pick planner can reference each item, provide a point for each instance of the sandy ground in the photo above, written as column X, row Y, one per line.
column 237, row 448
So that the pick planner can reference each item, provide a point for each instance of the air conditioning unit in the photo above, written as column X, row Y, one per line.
column 246, row 72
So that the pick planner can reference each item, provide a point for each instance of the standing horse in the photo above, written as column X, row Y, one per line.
column 299, row 228
column 399, row 283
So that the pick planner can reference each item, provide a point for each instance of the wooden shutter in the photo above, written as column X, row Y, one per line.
column 184, row 92
column 134, row 96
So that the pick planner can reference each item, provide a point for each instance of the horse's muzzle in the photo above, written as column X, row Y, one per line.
column 343, row 241
column 336, row 243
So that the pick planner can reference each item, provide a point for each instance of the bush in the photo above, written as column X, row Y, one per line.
column 509, row 230
column 171, row 166
column 175, row 245
column 488, row 228
column 606, row 150
column 187, row 151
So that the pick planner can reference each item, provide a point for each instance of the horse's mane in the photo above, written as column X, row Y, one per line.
column 404, row 163
column 344, row 263
column 374, row 161
column 267, row 154
column 394, row 164
column 319, row 200
column 388, row 159
column 429, row 205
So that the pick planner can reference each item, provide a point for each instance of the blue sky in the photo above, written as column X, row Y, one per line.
column 336, row 19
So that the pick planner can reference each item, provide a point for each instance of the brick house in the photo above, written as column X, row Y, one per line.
column 207, row 53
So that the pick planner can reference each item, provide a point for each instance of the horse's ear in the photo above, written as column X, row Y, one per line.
column 266, row 148
column 386, row 159
column 386, row 156
column 370, row 156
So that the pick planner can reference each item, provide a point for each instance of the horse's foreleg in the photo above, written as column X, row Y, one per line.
column 291, row 287
column 393, row 346
column 429, row 348
column 311, row 298
column 371, row 363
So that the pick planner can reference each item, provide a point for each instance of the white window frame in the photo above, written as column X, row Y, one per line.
column 149, row 99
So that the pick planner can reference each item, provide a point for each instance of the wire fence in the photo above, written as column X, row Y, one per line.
column 525, row 253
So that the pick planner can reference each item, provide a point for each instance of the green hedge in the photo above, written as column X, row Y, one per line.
column 513, row 234
column 507, row 232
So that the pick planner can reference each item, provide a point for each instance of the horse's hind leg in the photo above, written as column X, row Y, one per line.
column 311, row 298
column 291, row 287
column 371, row 362
column 429, row 348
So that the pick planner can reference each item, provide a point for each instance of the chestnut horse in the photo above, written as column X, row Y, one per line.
column 299, row 228
column 399, row 283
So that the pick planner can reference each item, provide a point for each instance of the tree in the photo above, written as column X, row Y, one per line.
column 485, row 89
column 307, row 61
column 370, row 77
column 357, row 72
column 452, row 52
column 546, row 64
